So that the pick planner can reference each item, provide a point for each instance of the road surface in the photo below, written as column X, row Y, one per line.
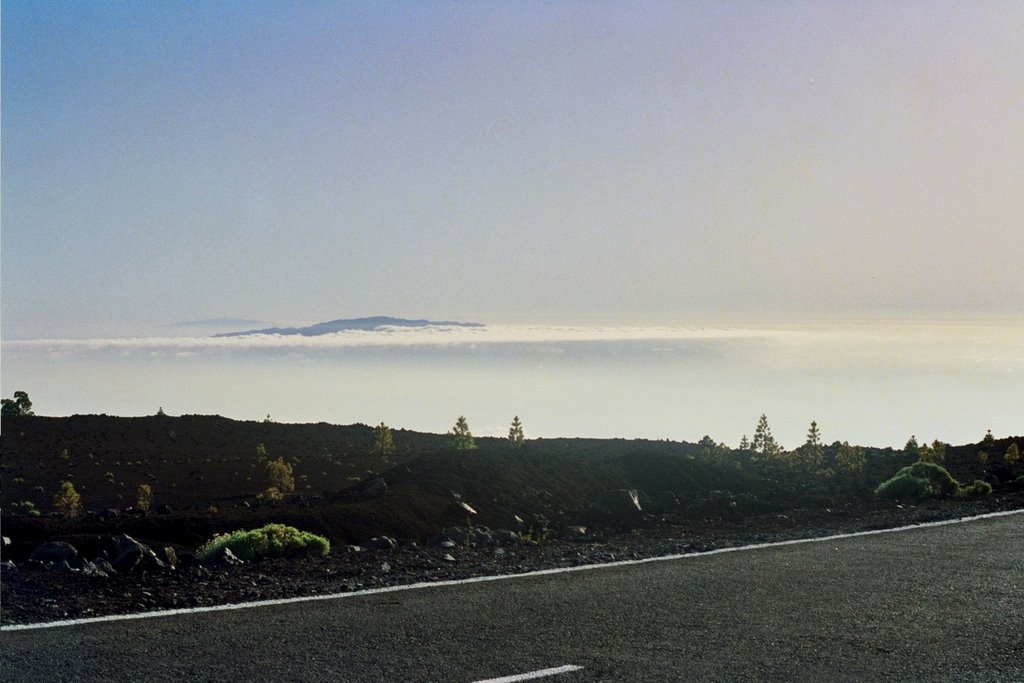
column 941, row 603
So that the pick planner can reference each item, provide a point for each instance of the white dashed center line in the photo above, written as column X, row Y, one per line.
column 540, row 673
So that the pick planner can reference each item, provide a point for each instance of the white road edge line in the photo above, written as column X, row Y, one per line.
column 496, row 577
column 540, row 673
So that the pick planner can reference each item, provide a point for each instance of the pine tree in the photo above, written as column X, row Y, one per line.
column 744, row 443
column 812, row 453
column 280, row 479
column 460, row 438
column 67, row 499
column 515, row 432
column 383, row 441
column 1012, row 456
column 764, row 443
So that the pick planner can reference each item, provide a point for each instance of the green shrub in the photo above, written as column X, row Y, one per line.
column 272, row 540
column 978, row 488
column 920, row 480
column 26, row 506
column 905, row 486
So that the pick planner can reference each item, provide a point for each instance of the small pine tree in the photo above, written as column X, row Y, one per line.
column 144, row 497
column 744, row 443
column 460, row 438
column 812, row 453
column 515, row 432
column 1012, row 456
column 279, row 477
column 383, row 441
column 261, row 452
column 912, row 448
column 989, row 439
column 764, row 443
column 67, row 501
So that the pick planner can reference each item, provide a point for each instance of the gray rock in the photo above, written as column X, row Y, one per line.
column 506, row 537
column 54, row 551
column 63, row 566
column 354, row 548
column 224, row 558
column 167, row 555
column 385, row 568
column 133, row 555
column 373, row 488
column 90, row 569
column 8, row 566
column 103, row 565
column 448, row 558
column 573, row 533
column 382, row 543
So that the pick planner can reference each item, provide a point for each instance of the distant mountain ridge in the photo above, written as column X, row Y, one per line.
column 332, row 326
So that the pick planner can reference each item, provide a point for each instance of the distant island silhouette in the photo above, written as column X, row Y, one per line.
column 332, row 326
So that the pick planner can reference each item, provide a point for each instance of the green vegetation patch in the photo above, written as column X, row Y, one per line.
column 272, row 540
column 928, row 480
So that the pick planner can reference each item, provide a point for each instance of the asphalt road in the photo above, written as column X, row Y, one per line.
column 934, row 604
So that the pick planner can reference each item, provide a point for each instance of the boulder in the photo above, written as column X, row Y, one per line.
column 224, row 558
column 373, row 488
column 132, row 555
column 55, row 551
column 382, row 543
column 167, row 555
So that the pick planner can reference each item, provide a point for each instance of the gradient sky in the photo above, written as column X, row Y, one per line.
column 509, row 162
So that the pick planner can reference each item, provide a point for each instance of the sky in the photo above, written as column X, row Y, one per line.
column 608, row 162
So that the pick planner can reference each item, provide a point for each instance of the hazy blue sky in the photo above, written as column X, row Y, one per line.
column 507, row 162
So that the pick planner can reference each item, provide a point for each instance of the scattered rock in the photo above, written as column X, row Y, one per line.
column 54, row 551
column 224, row 558
column 8, row 566
column 382, row 543
column 132, row 555
column 167, row 555
column 373, row 488
column 506, row 537
column 448, row 557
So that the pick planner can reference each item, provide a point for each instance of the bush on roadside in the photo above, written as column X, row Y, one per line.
column 272, row 540
column 928, row 480
column 904, row 486
column 978, row 488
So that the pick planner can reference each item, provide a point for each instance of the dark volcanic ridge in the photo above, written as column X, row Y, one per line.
column 342, row 325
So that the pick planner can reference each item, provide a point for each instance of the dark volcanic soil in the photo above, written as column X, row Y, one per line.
column 206, row 474
column 37, row 596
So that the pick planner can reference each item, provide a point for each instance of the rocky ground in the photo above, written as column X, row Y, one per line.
column 36, row 591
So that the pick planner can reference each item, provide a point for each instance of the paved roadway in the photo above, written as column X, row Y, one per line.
column 934, row 604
